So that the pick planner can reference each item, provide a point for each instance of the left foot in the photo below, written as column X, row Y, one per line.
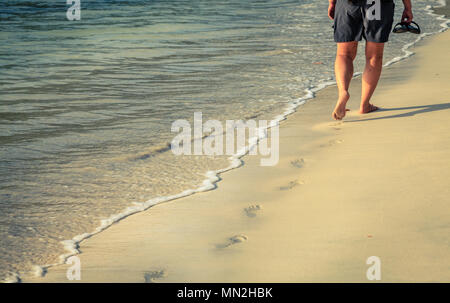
column 368, row 109
column 339, row 110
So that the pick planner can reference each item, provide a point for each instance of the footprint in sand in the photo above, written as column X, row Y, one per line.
column 332, row 142
column 233, row 240
column 252, row 210
column 291, row 185
column 151, row 276
column 335, row 125
column 298, row 163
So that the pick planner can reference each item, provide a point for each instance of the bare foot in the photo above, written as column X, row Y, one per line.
column 339, row 110
column 368, row 109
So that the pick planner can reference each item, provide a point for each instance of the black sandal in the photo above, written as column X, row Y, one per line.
column 402, row 27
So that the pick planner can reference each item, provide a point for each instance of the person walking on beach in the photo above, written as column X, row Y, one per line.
column 354, row 20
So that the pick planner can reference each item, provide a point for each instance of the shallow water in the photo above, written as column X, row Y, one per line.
column 86, row 106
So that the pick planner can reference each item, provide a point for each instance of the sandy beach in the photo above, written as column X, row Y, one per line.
column 372, row 185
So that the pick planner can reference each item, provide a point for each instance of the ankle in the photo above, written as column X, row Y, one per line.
column 364, row 105
column 344, row 96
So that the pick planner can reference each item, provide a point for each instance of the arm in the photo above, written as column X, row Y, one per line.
column 407, row 15
column 331, row 6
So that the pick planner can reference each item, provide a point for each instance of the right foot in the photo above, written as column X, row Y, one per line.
column 339, row 110
column 368, row 109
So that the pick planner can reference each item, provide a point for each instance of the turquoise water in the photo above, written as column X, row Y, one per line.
column 86, row 106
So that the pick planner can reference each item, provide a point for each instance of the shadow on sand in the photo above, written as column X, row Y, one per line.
column 414, row 110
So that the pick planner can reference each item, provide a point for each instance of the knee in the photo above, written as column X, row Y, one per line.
column 348, row 56
column 375, row 60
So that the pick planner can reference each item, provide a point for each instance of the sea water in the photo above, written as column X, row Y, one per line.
column 86, row 106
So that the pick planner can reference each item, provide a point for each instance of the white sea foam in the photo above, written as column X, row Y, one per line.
column 39, row 271
column 212, row 177
column 12, row 278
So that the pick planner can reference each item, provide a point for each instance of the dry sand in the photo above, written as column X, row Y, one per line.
column 373, row 185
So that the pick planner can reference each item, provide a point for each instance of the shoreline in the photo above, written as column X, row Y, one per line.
column 319, row 137
column 212, row 177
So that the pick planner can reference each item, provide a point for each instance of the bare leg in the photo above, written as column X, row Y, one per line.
column 371, row 75
column 343, row 68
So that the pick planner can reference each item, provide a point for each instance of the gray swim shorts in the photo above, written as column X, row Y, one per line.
column 355, row 19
